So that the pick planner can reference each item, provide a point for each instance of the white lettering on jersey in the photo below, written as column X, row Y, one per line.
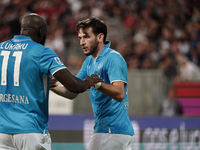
column 12, row 98
column 18, row 46
column 6, row 56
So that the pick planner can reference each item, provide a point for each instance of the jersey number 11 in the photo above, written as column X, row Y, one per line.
column 4, row 67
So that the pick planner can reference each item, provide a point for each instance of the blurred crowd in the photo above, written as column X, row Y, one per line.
column 150, row 34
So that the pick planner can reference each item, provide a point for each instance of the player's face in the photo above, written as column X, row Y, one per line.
column 88, row 41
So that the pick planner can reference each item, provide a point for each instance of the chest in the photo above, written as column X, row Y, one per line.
column 98, row 67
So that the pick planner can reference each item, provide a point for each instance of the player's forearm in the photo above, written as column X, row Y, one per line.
column 70, row 82
column 83, row 85
column 62, row 91
column 112, row 91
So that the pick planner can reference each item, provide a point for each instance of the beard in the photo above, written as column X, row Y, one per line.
column 93, row 48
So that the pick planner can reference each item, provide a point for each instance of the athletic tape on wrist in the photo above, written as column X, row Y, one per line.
column 98, row 85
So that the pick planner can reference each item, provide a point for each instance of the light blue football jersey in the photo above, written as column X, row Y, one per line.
column 110, row 115
column 25, row 67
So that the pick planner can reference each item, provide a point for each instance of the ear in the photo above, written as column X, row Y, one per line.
column 100, row 37
column 40, row 33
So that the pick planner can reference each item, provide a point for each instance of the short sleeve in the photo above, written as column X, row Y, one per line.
column 50, row 62
column 117, row 68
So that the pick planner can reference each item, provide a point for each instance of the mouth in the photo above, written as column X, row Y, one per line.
column 84, row 49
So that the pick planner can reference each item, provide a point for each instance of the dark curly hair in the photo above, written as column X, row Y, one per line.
column 97, row 25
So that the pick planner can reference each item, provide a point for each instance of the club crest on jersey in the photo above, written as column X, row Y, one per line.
column 126, row 105
column 57, row 60
column 98, row 67
column 88, row 66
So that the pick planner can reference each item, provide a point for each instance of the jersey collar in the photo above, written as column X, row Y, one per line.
column 105, row 49
column 20, row 38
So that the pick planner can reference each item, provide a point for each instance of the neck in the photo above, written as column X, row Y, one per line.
column 98, row 50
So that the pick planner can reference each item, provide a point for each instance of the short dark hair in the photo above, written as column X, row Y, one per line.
column 97, row 25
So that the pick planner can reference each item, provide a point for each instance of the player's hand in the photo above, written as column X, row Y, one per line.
column 93, row 79
column 53, row 83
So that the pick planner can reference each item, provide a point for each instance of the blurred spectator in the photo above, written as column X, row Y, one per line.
column 55, row 41
column 187, row 70
column 147, row 33
column 195, row 55
column 183, row 44
column 168, row 66
column 147, row 63
column 170, row 106
column 143, row 31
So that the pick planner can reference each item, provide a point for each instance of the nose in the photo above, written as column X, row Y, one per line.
column 82, row 41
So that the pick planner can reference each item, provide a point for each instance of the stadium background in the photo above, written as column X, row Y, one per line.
column 146, row 33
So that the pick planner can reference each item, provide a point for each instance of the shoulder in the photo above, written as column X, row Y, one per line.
column 88, row 59
column 42, row 52
column 34, row 46
column 37, row 45
column 114, row 55
column 42, row 49
column 48, row 50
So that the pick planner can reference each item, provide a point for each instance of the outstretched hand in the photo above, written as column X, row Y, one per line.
column 93, row 80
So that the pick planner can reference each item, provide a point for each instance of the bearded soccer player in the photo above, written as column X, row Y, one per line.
column 109, row 99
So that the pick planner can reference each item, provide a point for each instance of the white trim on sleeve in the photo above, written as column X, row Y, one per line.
column 58, row 70
column 121, row 81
